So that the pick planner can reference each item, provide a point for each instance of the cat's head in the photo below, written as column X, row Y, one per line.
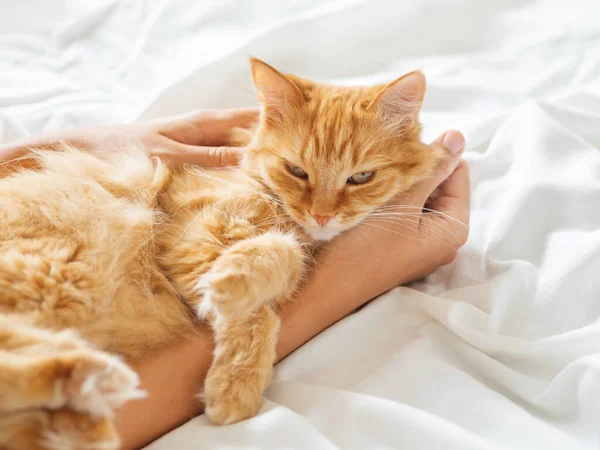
column 334, row 154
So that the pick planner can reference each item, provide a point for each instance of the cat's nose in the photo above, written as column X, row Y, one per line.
column 322, row 219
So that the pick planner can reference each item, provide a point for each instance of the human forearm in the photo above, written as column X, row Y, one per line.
column 347, row 277
column 172, row 378
column 18, row 154
column 198, row 138
column 354, row 270
column 175, row 375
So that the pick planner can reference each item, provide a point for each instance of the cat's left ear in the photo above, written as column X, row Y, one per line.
column 274, row 90
column 400, row 101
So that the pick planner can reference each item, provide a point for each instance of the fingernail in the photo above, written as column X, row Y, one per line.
column 454, row 141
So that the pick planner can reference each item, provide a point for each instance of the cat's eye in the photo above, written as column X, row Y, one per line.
column 360, row 178
column 297, row 171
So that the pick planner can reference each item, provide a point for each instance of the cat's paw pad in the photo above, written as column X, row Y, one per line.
column 99, row 382
column 226, row 294
column 71, row 430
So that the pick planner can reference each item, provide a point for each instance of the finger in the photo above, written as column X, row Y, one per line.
column 203, row 156
column 213, row 156
column 458, row 185
column 454, row 204
column 207, row 127
column 455, row 197
column 449, row 146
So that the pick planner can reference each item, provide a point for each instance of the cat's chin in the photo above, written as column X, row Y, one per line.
column 322, row 234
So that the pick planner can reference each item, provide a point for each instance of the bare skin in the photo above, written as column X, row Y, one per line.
column 193, row 138
column 373, row 259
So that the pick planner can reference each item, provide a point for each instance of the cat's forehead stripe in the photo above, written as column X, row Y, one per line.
column 332, row 126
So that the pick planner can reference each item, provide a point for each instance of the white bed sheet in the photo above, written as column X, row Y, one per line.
column 501, row 349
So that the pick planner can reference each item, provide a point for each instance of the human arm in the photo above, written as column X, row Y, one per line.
column 195, row 138
column 372, row 258
column 371, row 263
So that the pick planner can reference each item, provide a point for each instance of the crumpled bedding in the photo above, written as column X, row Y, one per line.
column 499, row 350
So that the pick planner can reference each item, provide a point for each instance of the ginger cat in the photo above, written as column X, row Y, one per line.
column 120, row 256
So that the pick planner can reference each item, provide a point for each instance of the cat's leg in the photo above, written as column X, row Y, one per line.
column 242, row 366
column 56, row 430
column 262, row 269
column 240, row 292
column 41, row 368
column 234, row 276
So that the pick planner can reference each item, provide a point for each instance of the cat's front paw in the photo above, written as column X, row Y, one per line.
column 227, row 294
column 70, row 430
column 233, row 396
column 233, row 406
column 98, row 382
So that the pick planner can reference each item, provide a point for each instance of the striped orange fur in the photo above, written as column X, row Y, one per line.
column 100, row 258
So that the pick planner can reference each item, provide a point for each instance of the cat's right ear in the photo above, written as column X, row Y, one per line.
column 274, row 90
column 400, row 101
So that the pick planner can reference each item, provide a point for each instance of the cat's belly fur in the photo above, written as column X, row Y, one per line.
column 86, row 245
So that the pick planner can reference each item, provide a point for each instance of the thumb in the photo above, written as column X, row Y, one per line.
column 207, row 156
column 450, row 145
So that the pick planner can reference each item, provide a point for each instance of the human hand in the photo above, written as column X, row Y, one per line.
column 200, row 137
column 413, row 235
column 439, row 223
column 195, row 138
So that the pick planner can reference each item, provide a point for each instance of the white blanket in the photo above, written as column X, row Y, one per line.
column 500, row 350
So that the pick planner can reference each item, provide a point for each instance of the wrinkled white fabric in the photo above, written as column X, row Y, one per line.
column 501, row 349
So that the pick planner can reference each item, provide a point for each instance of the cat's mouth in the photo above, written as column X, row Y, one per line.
column 334, row 228
column 315, row 232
